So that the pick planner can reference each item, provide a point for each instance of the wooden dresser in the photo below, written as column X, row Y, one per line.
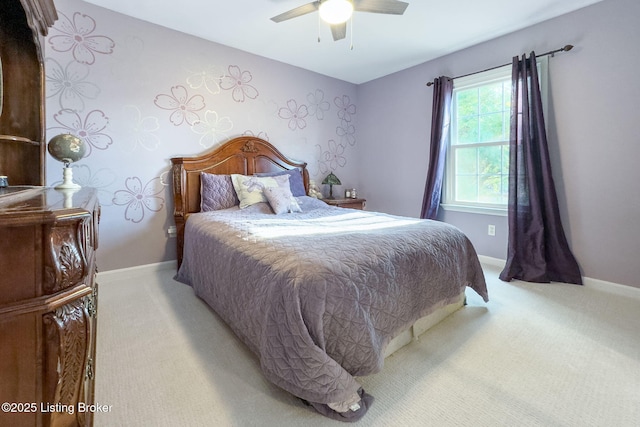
column 48, row 306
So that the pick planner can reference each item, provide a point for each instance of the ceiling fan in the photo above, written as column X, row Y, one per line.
column 337, row 12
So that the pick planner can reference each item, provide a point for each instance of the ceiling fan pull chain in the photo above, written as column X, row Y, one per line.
column 351, row 31
column 318, row 28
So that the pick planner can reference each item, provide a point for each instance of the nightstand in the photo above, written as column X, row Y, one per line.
column 347, row 203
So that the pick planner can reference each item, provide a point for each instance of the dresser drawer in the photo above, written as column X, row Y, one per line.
column 347, row 203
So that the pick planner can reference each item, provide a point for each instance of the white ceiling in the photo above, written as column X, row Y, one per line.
column 382, row 44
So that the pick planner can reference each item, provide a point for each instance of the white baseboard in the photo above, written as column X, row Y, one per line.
column 496, row 262
column 588, row 282
column 126, row 273
column 613, row 288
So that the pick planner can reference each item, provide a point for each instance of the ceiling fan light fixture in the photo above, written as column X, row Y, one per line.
column 336, row 11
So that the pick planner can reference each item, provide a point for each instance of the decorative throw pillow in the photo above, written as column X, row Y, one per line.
column 281, row 200
column 295, row 180
column 216, row 192
column 250, row 188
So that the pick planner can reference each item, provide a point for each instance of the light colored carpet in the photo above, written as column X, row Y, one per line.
column 535, row 355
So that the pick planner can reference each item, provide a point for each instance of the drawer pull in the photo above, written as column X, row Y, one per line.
column 89, row 371
column 90, row 305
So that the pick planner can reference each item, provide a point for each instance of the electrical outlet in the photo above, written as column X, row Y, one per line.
column 172, row 231
column 491, row 230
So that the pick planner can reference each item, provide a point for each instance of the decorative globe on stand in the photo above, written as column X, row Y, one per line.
column 67, row 149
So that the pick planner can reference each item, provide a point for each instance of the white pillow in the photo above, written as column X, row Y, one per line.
column 250, row 188
column 281, row 200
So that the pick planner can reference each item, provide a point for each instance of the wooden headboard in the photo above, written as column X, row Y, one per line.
column 245, row 155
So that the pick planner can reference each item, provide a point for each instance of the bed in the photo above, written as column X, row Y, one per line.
column 320, row 294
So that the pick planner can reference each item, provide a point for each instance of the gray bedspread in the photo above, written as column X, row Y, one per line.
column 318, row 295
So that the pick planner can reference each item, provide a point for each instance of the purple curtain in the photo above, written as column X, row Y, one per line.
column 537, row 248
column 440, row 125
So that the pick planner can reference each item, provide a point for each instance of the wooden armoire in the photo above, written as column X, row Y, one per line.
column 23, row 25
column 48, row 240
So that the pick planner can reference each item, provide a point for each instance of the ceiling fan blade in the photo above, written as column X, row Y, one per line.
column 298, row 11
column 339, row 31
column 390, row 7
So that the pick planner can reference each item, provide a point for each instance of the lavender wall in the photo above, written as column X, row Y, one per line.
column 594, row 140
column 140, row 94
column 120, row 95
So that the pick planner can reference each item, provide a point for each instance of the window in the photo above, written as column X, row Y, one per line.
column 477, row 170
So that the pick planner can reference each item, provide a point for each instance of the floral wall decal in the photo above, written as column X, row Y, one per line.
column 345, row 108
column 165, row 178
column 140, row 130
column 183, row 107
column 69, row 84
column 335, row 156
column 323, row 159
column 295, row 114
column 346, row 131
column 212, row 128
column 139, row 199
column 77, row 38
column 238, row 83
column 261, row 134
column 209, row 79
column 317, row 104
column 90, row 129
column 101, row 180
column 332, row 158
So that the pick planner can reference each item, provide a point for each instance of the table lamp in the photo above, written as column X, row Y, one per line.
column 332, row 180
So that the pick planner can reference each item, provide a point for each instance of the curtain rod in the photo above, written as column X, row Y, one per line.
column 566, row 48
